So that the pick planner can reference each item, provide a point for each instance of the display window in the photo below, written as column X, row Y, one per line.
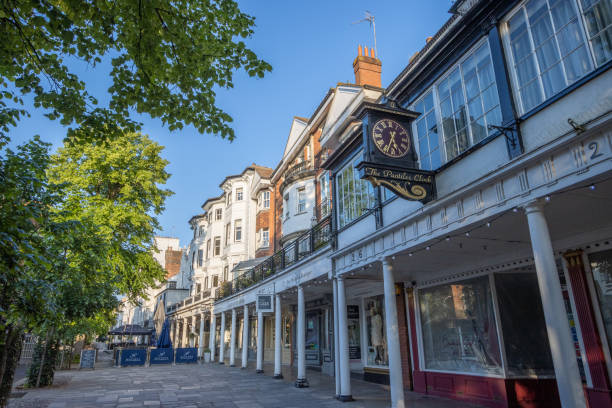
column 287, row 331
column 353, row 332
column 312, row 331
column 377, row 353
column 458, row 328
column 601, row 268
column 253, row 334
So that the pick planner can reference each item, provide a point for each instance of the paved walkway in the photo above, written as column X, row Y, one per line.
column 205, row 385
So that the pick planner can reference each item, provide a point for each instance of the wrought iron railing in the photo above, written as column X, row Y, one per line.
column 298, row 168
column 303, row 246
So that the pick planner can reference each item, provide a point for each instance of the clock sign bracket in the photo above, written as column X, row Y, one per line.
column 389, row 157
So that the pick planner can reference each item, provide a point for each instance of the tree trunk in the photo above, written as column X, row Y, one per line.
column 10, row 350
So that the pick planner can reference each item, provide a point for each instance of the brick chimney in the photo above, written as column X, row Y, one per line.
column 367, row 68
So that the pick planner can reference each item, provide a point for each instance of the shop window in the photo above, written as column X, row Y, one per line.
column 458, row 328
column 524, row 356
column 547, row 49
column 377, row 353
column 287, row 331
column 352, row 312
column 601, row 266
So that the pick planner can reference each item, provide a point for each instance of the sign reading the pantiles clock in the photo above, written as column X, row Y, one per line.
column 410, row 184
column 389, row 157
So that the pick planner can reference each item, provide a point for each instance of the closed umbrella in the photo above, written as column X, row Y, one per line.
column 163, row 340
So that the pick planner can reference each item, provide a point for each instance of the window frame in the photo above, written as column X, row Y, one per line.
column 265, row 199
column 433, row 88
column 265, row 242
column 218, row 214
column 217, row 248
column 239, row 194
column 238, row 230
column 298, row 192
column 342, row 223
column 509, row 57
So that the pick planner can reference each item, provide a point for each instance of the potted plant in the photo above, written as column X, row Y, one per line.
column 207, row 355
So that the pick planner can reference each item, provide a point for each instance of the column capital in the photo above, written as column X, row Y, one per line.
column 536, row 205
column 387, row 261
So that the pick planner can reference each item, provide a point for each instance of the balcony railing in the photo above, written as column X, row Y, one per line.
column 298, row 168
column 303, row 246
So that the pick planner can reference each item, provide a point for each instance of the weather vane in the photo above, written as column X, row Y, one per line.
column 370, row 18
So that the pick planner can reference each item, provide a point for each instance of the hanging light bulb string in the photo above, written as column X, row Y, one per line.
column 592, row 186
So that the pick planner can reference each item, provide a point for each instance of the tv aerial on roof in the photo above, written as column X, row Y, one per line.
column 369, row 17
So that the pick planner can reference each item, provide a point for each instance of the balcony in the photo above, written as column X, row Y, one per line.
column 297, row 172
column 301, row 248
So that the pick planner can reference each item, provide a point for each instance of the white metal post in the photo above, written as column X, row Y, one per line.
column 222, row 340
column 233, row 340
column 245, row 335
column 277, row 338
column 201, row 341
column 301, row 381
column 260, row 346
column 213, row 335
column 562, row 349
column 336, row 338
column 395, row 359
column 345, row 369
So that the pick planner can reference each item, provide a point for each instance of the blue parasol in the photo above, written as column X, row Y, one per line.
column 163, row 340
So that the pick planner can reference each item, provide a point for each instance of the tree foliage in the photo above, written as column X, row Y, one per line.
column 166, row 58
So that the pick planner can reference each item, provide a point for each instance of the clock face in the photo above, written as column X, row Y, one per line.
column 391, row 138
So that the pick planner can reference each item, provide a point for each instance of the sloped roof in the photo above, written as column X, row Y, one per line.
column 297, row 127
column 264, row 172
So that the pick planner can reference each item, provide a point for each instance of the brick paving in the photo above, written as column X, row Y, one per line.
column 206, row 385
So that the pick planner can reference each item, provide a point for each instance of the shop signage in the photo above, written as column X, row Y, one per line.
column 88, row 359
column 133, row 357
column 352, row 312
column 389, row 157
column 265, row 303
column 161, row 356
column 186, row 355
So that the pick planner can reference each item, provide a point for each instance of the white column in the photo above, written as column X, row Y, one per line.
column 201, row 341
column 559, row 336
column 301, row 381
column 222, row 340
column 260, row 345
column 213, row 335
column 191, row 338
column 345, row 368
column 336, row 338
column 233, row 340
column 245, row 336
column 277, row 338
column 395, row 359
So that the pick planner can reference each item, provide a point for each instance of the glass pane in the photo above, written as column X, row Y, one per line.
column 601, row 267
column 451, row 148
column 553, row 80
column 447, row 121
column 458, row 327
column 423, row 147
column 531, row 95
column 460, row 119
column 493, row 118
column 489, row 98
column 421, row 127
column 468, row 67
column 433, row 140
column 471, row 87
column 524, row 356
column 541, row 30
column 457, row 95
column 443, row 92
column 547, row 54
column 435, row 159
column 475, row 108
column 428, row 102
column 598, row 17
column 577, row 64
column 376, row 334
column 526, row 70
column 517, row 26
column 462, row 140
column 562, row 12
column 569, row 38
column 431, row 122
column 485, row 74
column 602, row 46
column 418, row 107
column 425, row 163
column 478, row 130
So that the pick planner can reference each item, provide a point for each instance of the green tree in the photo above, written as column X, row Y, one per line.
column 166, row 58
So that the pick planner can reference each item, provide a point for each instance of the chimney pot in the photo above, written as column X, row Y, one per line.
column 372, row 52
column 359, row 52
column 365, row 51
column 428, row 39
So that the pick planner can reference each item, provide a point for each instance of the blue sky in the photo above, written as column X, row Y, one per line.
column 311, row 46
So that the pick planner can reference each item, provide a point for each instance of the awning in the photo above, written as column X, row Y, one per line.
column 130, row 329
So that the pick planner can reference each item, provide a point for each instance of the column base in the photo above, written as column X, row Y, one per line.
column 221, row 362
column 301, row 383
column 232, row 365
column 278, row 376
column 259, row 371
column 345, row 398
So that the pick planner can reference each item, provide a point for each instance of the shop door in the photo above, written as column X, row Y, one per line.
column 313, row 338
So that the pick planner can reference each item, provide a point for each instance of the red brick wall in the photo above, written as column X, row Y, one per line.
column 264, row 220
column 173, row 262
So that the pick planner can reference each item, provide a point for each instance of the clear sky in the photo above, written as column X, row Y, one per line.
column 311, row 46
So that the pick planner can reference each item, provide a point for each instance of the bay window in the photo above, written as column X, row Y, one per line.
column 456, row 112
column 355, row 196
column 547, row 46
